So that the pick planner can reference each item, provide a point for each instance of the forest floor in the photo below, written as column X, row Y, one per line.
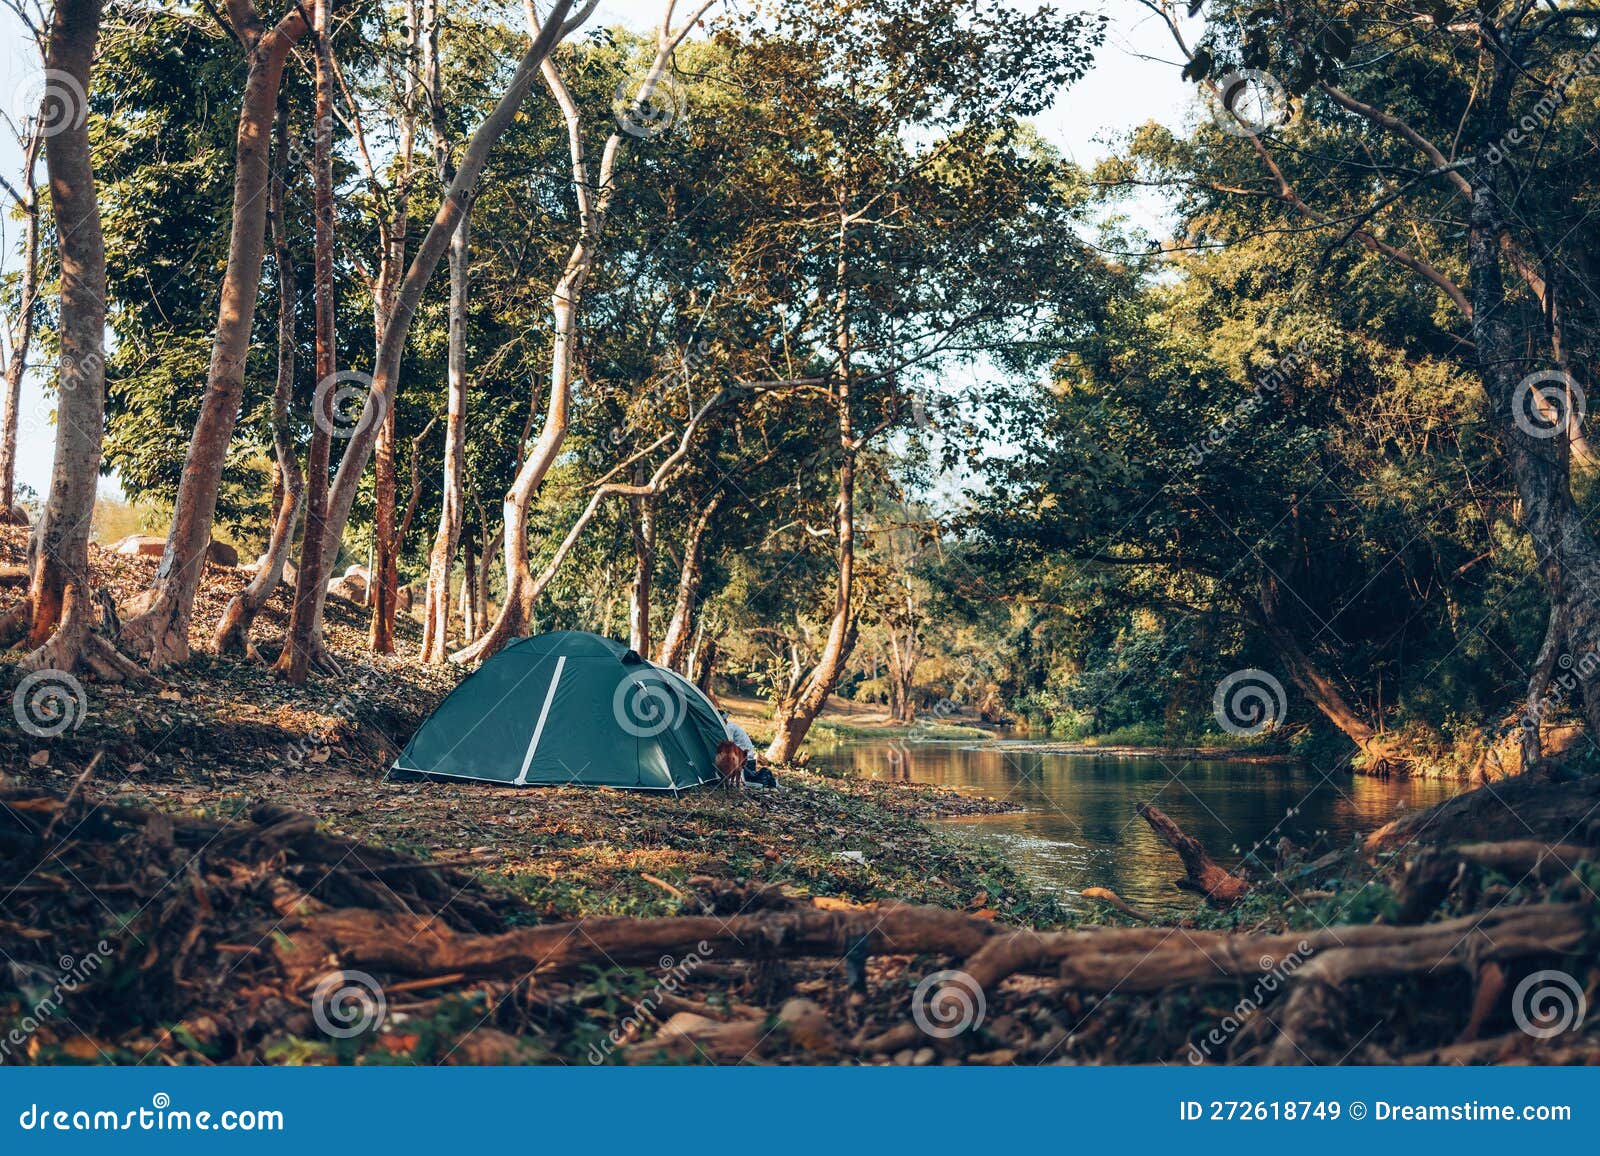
column 227, row 853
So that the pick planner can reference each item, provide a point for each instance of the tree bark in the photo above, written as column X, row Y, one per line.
column 22, row 330
column 302, row 642
column 1566, row 550
column 452, row 498
column 594, row 201
column 680, row 628
column 233, row 632
column 59, row 612
column 159, row 627
column 643, row 523
column 386, row 373
column 795, row 714
column 383, row 586
column 436, row 623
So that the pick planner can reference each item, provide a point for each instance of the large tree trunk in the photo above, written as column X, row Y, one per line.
column 386, row 373
column 233, row 632
column 1565, row 548
column 436, row 613
column 22, row 329
column 58, row 614
column 794, row 714
column 680, row 629
column 302, row 643
column 160, row 628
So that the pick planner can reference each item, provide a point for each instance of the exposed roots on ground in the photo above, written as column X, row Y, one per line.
column 252, row 935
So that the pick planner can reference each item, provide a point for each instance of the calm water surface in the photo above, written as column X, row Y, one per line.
column 1078, row 828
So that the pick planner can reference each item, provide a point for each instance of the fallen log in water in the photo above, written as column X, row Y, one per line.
column 1203, row 873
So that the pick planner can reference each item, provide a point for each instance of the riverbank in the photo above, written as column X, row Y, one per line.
column 223, row 844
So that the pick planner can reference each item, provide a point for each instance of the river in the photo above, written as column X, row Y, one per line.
column 1076, row 825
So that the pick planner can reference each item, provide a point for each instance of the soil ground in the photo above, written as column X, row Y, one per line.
column 225, row 825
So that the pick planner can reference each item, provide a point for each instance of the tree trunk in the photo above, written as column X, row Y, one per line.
column 594, row 200
column 59, row 612
column 159, row 629
column 1565, row 549
column 386, row 373
column 1322, row 692
column 795, row 714
column 436, row 616
column 302, row 641
column 705, row 665
column 643, row 523
column 233, row 632
column 383, row 585
column 22, row 331
column 469, row 591
column 675, row 646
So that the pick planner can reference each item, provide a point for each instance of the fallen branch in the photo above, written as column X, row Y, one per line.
column 1204, row 874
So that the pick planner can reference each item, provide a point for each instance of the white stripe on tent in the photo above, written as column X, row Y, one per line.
column 544, row 712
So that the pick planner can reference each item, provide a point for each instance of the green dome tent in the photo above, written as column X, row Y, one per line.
column 570, row 707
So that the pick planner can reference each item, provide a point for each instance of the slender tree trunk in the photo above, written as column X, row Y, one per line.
column 469, row 591
column 60, row 605
column 436, row 624
column 233, row 632
column 383, row 587
column 301, row 643
column 594, row 200
column 795, row 714
column 705, row 667
column 22, row 331
column 386, row 373
column 674, row 647
column 1323, row 692
column 159, row 626
column 642, row 519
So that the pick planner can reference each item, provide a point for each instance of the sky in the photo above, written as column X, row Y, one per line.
column 1135, row 79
